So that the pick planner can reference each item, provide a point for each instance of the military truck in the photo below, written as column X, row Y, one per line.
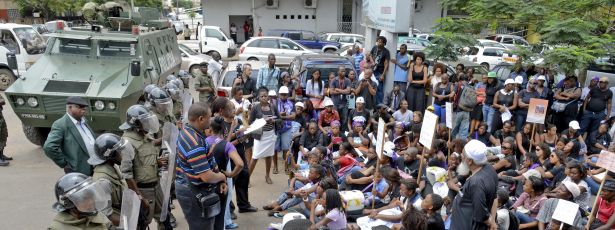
column 106, row 65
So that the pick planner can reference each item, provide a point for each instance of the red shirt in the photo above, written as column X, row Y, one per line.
column 326, row 118
column 605, row 210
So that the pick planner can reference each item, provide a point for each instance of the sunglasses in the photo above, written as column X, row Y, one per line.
column 603, row 81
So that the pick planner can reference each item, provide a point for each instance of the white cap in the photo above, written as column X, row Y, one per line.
column 291, row 216
column 475, row 150
column 272, row 93
column 572, row 188
column 388, row 149
column 519, row 80
column 574, row 125
column 532, row 172
column 246, row 105
column 299, row 104
column 360, row 100
column 283, row 89
column 328, row 102
column 541, row 78
column 509, row 81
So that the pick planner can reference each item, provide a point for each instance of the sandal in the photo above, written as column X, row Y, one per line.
column 275, row 171
column 268, row 180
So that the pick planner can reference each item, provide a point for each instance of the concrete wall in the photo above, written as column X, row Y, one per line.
column 217, row 12
column 425, row 19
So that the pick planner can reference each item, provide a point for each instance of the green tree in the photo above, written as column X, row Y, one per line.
column 192, row 15
column 186, row 4
column 574, row 32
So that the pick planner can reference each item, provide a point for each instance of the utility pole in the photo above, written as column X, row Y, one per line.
column 412, row 12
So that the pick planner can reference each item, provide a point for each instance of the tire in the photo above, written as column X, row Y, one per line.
column 215, row 55
column 486, row 65
column 252, row 59
column 36, row 135
column 330, row 51
column 6, row 79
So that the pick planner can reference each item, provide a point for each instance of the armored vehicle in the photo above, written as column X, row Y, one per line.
column 107, row 65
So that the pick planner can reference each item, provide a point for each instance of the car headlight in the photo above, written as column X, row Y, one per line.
column 20, row 101
column 32, row 102
column 111, row 106
column 99, row 105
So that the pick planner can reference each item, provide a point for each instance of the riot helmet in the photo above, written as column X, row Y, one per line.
column 147, row 90
column 173, row 91
column 185, row 77
column 171, row 78
column 139, row 117
column 107, row 147
column 161, row 101
column 80, row 192
column 179, row 83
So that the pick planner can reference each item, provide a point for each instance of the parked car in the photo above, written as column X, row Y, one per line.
column 413, row 43
column 306, row 38
column 343, row 38
column 224, row 81
column 489, row 56
column 258, row 48
column 191, row 58
column 428, row 37
column 510, row 41
column 490, row 43
column 215, row 43
column 304, row 65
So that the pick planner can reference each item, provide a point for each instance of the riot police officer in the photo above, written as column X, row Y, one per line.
column 4, row 134
column 141, row 174
column 110, row 149
column 204, row 84
column 81, row 202
column 146, row 91
column 176, row 94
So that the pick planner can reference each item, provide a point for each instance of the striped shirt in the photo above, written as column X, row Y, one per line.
column 193, row 156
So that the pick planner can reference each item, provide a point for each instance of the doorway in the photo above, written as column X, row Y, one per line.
column 239, row 21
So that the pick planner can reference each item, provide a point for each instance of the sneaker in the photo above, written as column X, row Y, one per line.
column 231, row 226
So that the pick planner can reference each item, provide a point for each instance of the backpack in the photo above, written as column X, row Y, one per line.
column 514, row 221
column 467, row 100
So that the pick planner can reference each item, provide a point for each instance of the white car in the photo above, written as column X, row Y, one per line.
column 491, row 43
column 191, row 58
column 489, row 57
column 510, row 41
column 344, row 38
column 284, row 49
column 224, row 81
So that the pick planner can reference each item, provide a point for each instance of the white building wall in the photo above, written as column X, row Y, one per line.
column 426, row 17
column 217, row 12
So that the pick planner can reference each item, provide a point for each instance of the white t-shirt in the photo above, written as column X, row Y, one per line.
column 402, row 117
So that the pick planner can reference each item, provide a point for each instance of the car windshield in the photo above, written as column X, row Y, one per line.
column 325, row 70
column 116, row 49
column 71, row 46
column 230, row 76
column 31, row 40
column 187, row 50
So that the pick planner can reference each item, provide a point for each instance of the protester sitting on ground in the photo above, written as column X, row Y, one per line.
column 310, row 139
column 482, row 135
column 509, row 161
column 603, row 219
column 502, row 213
column 403, row 114
column 335, row 214
column 554, row 173
column 299, row 186
column 324, row 184
column 358, row 137
column 529, row 203
column 566, row 191
column 392, row 213
column 335, row 138
column 392, row 178
column 529, row 163
column 575, row 172
column 431, row 206
column 358, row 180
column 599, row 140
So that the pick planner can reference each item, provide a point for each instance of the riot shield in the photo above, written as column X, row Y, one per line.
column 166, row 181
column 187, row 102
column 131, row 204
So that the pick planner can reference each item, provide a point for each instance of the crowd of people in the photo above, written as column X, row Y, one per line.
column 491, row 170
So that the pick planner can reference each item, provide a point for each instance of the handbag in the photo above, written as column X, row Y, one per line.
column 559, row 107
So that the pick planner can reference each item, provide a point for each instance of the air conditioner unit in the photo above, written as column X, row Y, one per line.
column 271, row 4
column 310, row 4
column 418, row 5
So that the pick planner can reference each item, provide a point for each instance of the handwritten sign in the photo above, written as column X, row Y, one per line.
column 562, row 211
column 380, row 137
column 606, row 160
column 449, row 115
column 537, row 111
column 430, row 120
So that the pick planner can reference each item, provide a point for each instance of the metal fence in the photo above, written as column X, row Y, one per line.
column 350, row 27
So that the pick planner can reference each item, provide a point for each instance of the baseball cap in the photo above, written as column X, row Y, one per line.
column 475, row 150
column 531, row 172
column 509, row 81
column 203, row 64
column 328, row 102
column 519, row 80
column 74, row 100
column 299, row 104
column 572, row 188
column 491, row 74
column 574, row 125
column 541, row 78
column 609, row 185
column 272, row 93
column 283, row 90
column 360, row 100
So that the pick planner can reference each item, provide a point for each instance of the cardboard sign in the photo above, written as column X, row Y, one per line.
column 606, row 160
column 430, row 121
column 380, row 137
column 449, row 115
column 537, row 111
column 563, row 211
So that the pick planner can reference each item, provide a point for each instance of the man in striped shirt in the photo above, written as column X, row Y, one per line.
column 197, row 172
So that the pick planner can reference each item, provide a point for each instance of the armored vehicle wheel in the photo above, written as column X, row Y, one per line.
column 36, row 135
column 6, row 79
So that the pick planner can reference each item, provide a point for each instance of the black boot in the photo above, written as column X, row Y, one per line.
column 4, row 163
column 3, row 157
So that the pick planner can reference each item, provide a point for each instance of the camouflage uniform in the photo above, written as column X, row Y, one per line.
column 203, row 80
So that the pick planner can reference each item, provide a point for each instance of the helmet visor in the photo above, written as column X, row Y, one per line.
column 164, row 106
column 124, row 148
column 91, row 196
column 175, row 93
column 149, row 123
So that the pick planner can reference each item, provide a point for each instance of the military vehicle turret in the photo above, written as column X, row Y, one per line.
column 107, row 64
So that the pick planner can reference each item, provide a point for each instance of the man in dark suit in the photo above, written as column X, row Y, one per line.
column 393, row 100
column 71, row 140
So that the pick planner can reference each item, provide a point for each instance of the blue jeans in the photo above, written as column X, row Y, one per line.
column 229, row 196
column 283, row 141
column 520, row 118
column 488, row 116
column 441, row 112
column 461, row 125
column 192, row 211
column 524, row 218
column 593, row 185
column 590, row 121
column 379, row 88
column 286, row 201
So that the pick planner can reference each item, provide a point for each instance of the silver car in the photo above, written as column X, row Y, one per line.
column 224, row 81
column 191, row 59
column 284, row 49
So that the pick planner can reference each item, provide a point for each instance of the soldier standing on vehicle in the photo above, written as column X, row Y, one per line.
column 71, row 140
column 204, row 84
column 4, row 134
column 141, row 174
column 110, row 150
column 75, row 194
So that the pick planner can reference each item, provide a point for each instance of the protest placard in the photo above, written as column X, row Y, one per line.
column 430, row 121
column 449, row 115
column 537, row 111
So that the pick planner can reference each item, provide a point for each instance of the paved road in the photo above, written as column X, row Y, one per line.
column 26, row 190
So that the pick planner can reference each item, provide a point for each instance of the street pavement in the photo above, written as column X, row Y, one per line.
column 27, row 187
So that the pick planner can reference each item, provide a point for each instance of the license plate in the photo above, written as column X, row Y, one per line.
column 33, row 116
column 510, row 60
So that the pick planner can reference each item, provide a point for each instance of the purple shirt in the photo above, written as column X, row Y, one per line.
column 338, row 219
column 288, row 107
column 228, row 148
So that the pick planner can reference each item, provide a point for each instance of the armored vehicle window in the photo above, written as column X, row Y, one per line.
column 114, row 49
column 71, row 46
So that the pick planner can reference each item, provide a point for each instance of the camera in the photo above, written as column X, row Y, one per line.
column 239, row 70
